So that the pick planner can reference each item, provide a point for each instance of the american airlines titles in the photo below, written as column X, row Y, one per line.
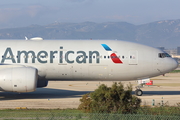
column 41, row 56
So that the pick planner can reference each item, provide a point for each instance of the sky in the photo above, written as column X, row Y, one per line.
column 20, row 13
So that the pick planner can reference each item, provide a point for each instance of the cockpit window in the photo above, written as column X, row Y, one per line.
column 163, row 55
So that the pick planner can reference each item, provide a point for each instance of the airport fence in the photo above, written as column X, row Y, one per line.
column 81, row 116
column 143, row 113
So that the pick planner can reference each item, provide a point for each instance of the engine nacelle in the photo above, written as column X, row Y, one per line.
column 18, row 79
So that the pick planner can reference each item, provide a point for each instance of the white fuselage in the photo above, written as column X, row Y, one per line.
column 86, row 59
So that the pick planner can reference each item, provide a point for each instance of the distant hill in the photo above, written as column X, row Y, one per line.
column 160, row 33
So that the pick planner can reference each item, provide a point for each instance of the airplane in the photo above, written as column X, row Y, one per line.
column 29, row 64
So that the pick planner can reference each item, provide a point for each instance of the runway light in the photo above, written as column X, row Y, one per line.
column 153, row 102
column 162, row 101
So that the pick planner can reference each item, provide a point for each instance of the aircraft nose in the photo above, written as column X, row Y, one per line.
column 167, row 66
column 174, row 64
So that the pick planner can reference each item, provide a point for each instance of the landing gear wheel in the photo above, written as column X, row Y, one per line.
column 138, row 92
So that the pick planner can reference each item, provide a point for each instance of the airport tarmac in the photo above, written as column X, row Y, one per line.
column 66, row 94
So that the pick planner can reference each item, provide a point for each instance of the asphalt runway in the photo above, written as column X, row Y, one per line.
column 66, row 94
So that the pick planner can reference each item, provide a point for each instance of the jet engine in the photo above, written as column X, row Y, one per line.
column 18, row 79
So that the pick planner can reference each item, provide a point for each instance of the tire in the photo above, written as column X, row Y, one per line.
column 139, row 92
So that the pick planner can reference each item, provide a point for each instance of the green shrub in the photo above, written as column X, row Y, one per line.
column 115, row 99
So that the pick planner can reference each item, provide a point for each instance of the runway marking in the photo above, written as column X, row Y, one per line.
column 167, row 84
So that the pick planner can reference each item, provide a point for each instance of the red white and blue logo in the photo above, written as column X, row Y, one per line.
column 112, row 55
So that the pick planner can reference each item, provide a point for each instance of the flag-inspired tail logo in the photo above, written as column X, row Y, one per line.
column 112, row 55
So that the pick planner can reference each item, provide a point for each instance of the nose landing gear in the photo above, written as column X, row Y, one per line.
column 141, row 84
column 138, row 92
